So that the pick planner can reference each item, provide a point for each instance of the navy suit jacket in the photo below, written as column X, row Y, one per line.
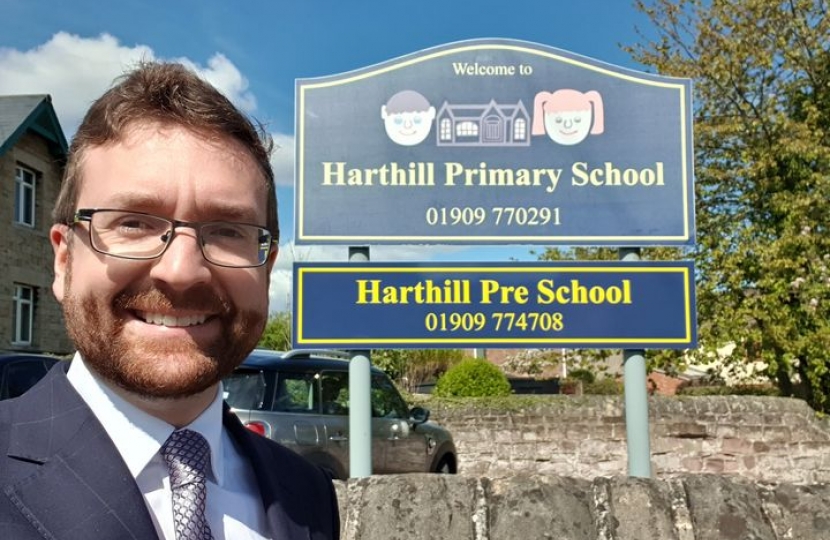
column 61, row 477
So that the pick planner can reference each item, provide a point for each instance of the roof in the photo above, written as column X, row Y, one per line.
column 20, row 114
column 298, row 359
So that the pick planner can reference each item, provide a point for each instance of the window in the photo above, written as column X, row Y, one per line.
column 24, row 196
column 446, row 129
column 334, row 390
column 22, row 375
column 466, row 129
column 386, row 401
column 296, row 393
column 520, row 129
column 23, row 301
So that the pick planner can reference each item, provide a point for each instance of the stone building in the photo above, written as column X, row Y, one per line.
column 33, row 153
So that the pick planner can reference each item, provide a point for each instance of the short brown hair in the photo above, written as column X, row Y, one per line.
column 171, row 94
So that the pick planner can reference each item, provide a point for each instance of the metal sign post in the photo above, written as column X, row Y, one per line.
column 360, row 399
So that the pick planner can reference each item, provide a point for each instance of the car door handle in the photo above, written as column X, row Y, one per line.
column 338, row 438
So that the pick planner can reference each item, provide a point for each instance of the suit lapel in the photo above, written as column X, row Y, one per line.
column 83, row 489
column 277, row 499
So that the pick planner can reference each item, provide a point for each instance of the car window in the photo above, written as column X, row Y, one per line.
column 334, row 391
column 386, row 401
column 296, row 392
column 22, row 375
column 245, row 390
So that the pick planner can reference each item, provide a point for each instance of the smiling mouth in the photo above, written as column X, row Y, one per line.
column 159, row 319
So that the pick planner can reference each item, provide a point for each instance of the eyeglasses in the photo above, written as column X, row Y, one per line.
column 136, row 235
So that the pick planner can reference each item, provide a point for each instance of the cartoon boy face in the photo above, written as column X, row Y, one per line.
column 568, row 127
column 407, row 117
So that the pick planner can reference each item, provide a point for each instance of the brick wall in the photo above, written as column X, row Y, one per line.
column 759, row 438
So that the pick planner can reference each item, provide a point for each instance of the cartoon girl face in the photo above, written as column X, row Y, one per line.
column 568, row 127
column 568, row 116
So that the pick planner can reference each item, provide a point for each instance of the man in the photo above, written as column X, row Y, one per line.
column 164, row 238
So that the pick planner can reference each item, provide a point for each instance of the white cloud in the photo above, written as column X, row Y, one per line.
column 282, row 159
column 76, row 70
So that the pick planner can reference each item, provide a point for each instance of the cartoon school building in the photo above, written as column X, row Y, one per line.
column 490, row 124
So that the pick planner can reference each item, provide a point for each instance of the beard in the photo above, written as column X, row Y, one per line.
column 154, row 368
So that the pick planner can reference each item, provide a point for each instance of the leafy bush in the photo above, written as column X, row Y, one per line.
column 607, row 386
column 581, row 374
column 473, row 378
column 410, row 368
column 723, row 390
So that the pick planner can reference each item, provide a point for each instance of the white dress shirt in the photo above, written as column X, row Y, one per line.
column 234, row 506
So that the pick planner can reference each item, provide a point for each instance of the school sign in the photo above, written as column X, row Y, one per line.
column 562, row 304
column 498, row 142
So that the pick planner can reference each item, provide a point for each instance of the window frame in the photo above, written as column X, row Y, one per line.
column 25, row 191
column 23, row 314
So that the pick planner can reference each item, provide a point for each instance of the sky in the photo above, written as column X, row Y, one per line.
column 254, row 50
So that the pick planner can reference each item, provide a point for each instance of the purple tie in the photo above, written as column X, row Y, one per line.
column 187, row 455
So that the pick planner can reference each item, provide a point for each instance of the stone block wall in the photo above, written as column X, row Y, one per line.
column 26, row 256
column 525, row 507
column 762, row 439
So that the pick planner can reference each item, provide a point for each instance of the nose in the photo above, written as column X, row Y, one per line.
column 182, row 265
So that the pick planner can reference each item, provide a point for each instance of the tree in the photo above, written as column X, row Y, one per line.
column 277, row 333
column 761, row 71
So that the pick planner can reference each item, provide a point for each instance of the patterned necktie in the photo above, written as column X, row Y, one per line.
column 187, row 455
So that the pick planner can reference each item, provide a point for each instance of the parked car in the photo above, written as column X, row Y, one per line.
column 20, row 371
column 301, row 400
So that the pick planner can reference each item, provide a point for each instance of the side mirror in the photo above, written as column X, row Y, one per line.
column 418, row 415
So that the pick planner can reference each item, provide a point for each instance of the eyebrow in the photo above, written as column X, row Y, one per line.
column 152, row 203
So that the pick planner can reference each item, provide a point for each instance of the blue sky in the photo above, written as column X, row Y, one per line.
column 253, row 50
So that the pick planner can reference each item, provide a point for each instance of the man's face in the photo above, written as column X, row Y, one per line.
column 175, row 325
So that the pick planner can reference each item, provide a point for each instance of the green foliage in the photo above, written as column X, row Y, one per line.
column 607, row 386
column 761, row 72
column 581, row 374
column 723, row 390
column 277, row 333
column 473, row 378
column 409, row 368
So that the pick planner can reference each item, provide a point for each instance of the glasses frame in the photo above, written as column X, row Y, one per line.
column 85, row 215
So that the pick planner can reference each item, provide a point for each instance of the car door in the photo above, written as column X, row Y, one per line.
column 404, row 448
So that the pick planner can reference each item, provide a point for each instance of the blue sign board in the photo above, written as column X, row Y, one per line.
column 551, row 304
column 494, row 141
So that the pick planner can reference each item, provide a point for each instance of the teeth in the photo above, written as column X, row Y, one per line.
column 169, row 320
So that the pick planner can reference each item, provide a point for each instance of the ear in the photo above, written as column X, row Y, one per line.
column 59, row 237
column 272, row 258
column 383, row 112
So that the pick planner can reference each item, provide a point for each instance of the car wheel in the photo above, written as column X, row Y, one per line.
column 445, row 466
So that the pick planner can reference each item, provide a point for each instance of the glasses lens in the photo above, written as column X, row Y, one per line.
column 235, row 244
column 127, row 234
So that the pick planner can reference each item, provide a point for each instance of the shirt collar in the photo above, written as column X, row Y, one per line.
column 137, row 435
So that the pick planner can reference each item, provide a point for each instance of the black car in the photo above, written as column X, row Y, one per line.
column 20, row 371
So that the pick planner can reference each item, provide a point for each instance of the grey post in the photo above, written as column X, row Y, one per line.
column 636, row 400
column 360, row 399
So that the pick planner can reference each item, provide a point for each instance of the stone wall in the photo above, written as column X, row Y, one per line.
column 26, row 256
column 761, row 439
column 532, row 507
